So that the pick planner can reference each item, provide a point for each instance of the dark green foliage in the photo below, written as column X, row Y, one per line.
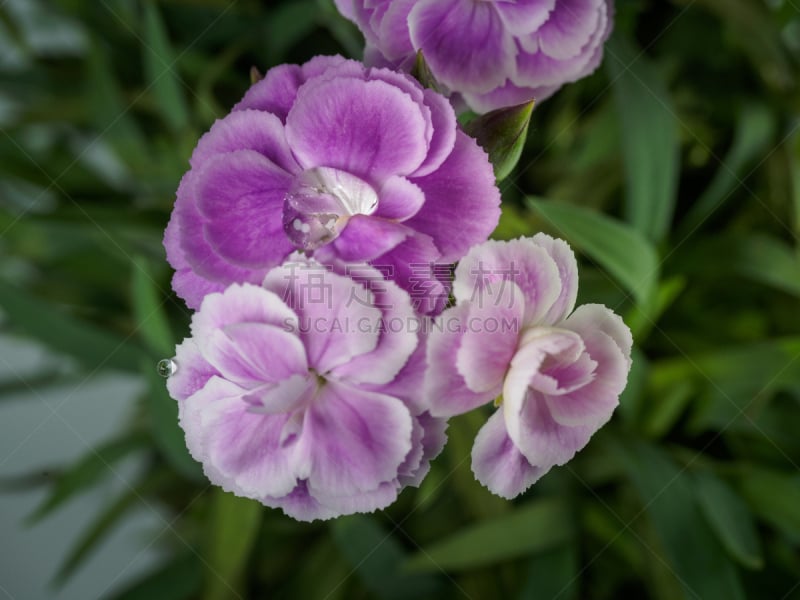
column 674, row 171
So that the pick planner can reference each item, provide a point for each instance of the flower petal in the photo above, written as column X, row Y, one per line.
column 524, row 16
column 399, row 199
column 594, row 403
column 490, row 340
column 569, row 28
column 365, row 238
column 564, row 258
column 463, row 185
column 498, row 464
column 241, row 450
column 591, row 317
column 352, row 440
column 368, row 128
column 192, row 373
column 464, row 42
column 241, row 195
column 486, row 267
column 445, row 390
column 328, row 314
column 254, row 353
column 246, row 130
column 245, row 303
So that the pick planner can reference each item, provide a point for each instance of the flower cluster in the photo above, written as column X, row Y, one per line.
column 492, row 53
column 315, row 236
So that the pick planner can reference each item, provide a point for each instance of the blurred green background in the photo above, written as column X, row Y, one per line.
column 675, row 173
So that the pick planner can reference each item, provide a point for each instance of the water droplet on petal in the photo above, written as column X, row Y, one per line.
column 319, row 204
column 166, row 367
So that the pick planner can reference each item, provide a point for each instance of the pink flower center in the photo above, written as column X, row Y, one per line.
column 320, row 202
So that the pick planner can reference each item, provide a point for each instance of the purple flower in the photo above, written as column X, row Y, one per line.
column 305, row 394
column 351, row 164
column 494, row 53
column 513, row 338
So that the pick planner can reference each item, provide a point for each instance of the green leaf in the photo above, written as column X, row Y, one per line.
column 693, row 551
column 775, row 497
column 755, row 130
column 502, row 133
column 88, row 471
column 110, row 114
column 91, row 346
column 535, row 526
column 649, row 129
column 168, row 435
column 161, row 71
column 768, row 260
column 377, row 558
column 179, row 579
column 106, row 521
column 553, row 574
column 730, row 519
column 287, row 25
column 422, row 73
column 619, row 249
column 235, row 524
column 148, row 309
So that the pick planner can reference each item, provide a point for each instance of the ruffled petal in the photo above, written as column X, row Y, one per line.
column 329, row 316
column 241, row 195
column 463, row 185
column 464, row 42
column 564, row 258
column 445, row 391
column 592, row 317
column 399, row 199
column 368, row 128
column 241, row 450
column 485, row 268
column 352, row 440
column 254, row 130
column 498, row 464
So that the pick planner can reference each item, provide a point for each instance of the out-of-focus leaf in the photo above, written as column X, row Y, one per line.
column 753, row 29
column 666, row 407
column 109, row 113
column 179, row 579
column 770, row 261
column 775, row 497
column 161, row 70
column 107, row 520
column 94, row 348
column 730, row 519
column 287, row 25
column 755, row 130
column 536, row 526
column 694, row 553
column 650, row 145
column 502, row 134
column 377, row 558
column 148, row 308
column 733, row 377
column 641, row 320
column 234, row 527
column 168, row 435
column 620, row 250
column 553, row 574
column 88, row 471
column 342, row 30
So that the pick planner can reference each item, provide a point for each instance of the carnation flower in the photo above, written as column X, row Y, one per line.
column 298, row 394
column 513, row 338
column 343, row 162
column 493, row 53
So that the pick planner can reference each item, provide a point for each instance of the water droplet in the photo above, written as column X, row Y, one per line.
column 166, row 367
column 319, row 204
